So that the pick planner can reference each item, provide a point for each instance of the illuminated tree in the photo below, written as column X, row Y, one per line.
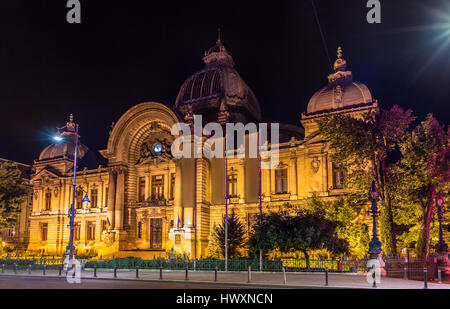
column 345, row 211
column 236, row 237
column 12, row 192
column 301, row 232
column 364, row 146
column 423, row 171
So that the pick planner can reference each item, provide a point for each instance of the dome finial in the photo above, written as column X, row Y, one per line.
column 218, row 36
column 340, row 64
column 339, row 52
column 70, row 125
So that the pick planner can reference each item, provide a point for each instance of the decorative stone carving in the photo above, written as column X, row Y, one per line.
column 315, row 164
column 156, row 146
column 109, row 239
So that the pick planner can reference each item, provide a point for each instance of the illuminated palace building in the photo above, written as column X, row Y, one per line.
column 144, row 202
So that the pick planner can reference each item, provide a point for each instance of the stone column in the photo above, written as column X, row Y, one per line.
column 177, row 207
column 111, row 198
column 292, row 176
column 147, row 186
column 120, row 200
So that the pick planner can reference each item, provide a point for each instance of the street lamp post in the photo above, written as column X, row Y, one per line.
column 375, row 244
column 72, row 127
column 442, row 246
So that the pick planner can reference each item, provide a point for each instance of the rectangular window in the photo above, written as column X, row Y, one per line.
column 48, row 200
column 338, row 176
column 281, row 180
column 44, row 231
column 106, row 197
column 76, row 231
column 158, row 187
column 141, row 189
column 90, row 231
column 104, row 227
column 172, row 185
column 232, row 185
column 94, row 198
column 79, row 200
column 139, row 235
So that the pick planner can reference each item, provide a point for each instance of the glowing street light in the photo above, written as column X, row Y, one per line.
column 71, row 127
column 58, row 138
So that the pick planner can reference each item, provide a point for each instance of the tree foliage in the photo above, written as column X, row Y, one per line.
column 236, row 237
column 422, row 171
column 300, row 232
column 363, row 146
column 345, row 211
column 12, row 192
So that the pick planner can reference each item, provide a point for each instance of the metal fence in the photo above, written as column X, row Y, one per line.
column 275, row 265
column 412, row 268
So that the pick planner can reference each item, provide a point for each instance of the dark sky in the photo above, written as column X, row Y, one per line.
column 127, row 52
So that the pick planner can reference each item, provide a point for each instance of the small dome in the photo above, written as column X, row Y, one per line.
column 206, row 91
column 341, row 92
column 66, row 149
column 63, row 149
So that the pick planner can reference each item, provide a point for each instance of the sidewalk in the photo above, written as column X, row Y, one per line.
column 263, row 280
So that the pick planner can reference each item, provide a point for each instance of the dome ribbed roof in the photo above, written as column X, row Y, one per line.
column 63, row 149
column 206, row 90
column 341, row 92
column 66, row 149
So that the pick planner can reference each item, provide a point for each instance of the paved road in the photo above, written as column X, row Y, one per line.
column 149, row 279
column 24, row 282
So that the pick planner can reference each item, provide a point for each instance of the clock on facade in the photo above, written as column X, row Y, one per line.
column 157, row 148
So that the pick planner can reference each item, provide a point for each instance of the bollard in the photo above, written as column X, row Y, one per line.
column 29, row 269
column 439, row 276
column 284, row 275
column 95, row 271
column 3, row 268
column 137, row 271
column 60, row 270
column 249, row 274
column 425, row 278
column 43, row 269
column 326, row 277
column 115, row 271
column 215, row 274
column 374, row 285
column 405, row 273
column 160, row 272
column 187, row 269
column 15, row 268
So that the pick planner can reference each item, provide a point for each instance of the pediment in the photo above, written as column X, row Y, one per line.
column 45, row 175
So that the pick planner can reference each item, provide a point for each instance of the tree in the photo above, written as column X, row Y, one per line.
column 345, row 211
column 363, row 145
column 12, row 192
column 301, row 232
column 236, row 237
column 424, row 170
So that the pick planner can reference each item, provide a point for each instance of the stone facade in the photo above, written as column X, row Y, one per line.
column 143, row 202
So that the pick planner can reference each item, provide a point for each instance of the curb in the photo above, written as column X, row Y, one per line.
column 241, row 285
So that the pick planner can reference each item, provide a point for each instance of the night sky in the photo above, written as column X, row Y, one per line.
column 127, row 52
